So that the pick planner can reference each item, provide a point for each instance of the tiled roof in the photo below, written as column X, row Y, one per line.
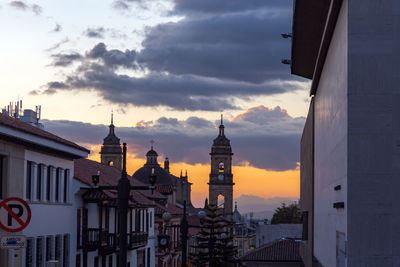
column 27, row 128
column 165, row 188
column 283, row 250
column 85, row 168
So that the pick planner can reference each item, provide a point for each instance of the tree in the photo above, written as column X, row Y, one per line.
column 287, row 214
column 214, row 243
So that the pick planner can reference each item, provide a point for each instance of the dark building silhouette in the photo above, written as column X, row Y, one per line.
column 111, row 152
column 221, row 178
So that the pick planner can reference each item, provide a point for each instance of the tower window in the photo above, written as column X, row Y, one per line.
column 221, row 201
column 111, row 163
column 221, row 167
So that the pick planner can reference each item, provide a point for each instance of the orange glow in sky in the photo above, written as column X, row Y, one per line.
column 248, row 180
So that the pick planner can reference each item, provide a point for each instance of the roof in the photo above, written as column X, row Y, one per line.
column 163, row 177
column 151, row 152
column 85, row 168
column 283, row 250
column 314, row 22
column 111, row 138
column 21, row 126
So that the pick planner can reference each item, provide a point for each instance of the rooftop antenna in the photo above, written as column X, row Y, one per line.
column 38, row 112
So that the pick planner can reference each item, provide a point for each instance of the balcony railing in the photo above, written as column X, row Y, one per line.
column 107, row 243
column 137, row 239
column 99, row 239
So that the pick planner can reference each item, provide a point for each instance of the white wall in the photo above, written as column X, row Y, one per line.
column 331, row 146
column 50, row 218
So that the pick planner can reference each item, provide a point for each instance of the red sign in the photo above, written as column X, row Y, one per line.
column 15, row 214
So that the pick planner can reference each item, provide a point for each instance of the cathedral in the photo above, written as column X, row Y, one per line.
column 176, row 189
column 221, row 178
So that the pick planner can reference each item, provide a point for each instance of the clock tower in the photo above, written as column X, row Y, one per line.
column 221, row 178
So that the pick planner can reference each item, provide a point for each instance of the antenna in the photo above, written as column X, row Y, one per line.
column 222, row 119
column 112, row 116
column 38, row 112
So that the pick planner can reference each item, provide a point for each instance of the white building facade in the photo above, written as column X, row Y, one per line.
column 38, row 167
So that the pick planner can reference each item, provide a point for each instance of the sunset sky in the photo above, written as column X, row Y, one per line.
column 168, row 69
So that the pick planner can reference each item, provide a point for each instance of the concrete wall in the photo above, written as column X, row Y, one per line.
column 374, row 133
column 307, row 187
column 331, row 146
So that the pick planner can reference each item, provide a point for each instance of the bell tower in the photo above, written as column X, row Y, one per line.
column 111, row 153
column 221, row 178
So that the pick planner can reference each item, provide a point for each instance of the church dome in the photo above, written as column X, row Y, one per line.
column 236, row 216
column 163, row 177
column 151, row 153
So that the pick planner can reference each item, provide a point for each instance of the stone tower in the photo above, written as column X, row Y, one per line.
column 111, row 153
column 221, row 178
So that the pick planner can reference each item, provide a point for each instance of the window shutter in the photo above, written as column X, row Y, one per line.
column 29, row 253
column 66, row 251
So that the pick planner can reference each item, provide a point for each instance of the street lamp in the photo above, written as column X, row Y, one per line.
column 123, row 188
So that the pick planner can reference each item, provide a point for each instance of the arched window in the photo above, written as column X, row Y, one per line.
column 111, row 163
column 221, row 167
column 221, row 201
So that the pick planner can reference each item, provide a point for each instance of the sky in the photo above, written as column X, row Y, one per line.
column 167, row 69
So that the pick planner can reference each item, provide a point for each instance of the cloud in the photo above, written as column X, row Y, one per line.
column 271, row 144
column 205, row 61
column 227, row 6
column 95, row 32
column 57, row 28
column 58, row 45
column 64, row 60
column 20, row 5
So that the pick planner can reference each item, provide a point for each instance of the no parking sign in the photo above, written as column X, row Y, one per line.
column 15, row 214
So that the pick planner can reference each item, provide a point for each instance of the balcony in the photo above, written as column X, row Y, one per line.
column 137, row 240
column 107, row 243
column 99, row 239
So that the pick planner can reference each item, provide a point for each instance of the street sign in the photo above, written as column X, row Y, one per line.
column 13, row 241
column 15, row 214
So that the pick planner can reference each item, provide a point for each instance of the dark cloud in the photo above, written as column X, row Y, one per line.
column 20, row 5
column 227, row 6
column 202, row 62
column 121, row 5
column 113, row 58
column 271, row 144
column 242, row 46
column 64, row 60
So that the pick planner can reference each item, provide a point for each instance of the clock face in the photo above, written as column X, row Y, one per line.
column 163, row 241
column 221, row 177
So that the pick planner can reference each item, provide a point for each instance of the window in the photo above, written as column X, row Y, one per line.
column 58, row 248
column 78, row 228
column 39, row 182
column 221, row 167
column 58, row 178
column 96, row 261
column 148, row 257
column 39, row 251
column 66, row 251
column 49, row 245
column 151, row 219
column 29, row 253
column 78, row 260
column 304, row 219
column 48, row 182
column 147, row 221
column 28, row 183
column 110, row 261
column 66, row 180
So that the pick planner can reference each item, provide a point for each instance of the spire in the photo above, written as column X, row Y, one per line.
column 235, row 205
column 112, row 117
column 221, row 127
column 181, row 174
column 152, row 143
column 206, row 203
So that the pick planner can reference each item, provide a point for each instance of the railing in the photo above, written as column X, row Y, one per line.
column 91, row 238
column 137, row 239
column 106, row 243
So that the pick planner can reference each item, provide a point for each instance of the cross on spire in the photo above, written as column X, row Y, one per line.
column 152, row 143
column 222, row 119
